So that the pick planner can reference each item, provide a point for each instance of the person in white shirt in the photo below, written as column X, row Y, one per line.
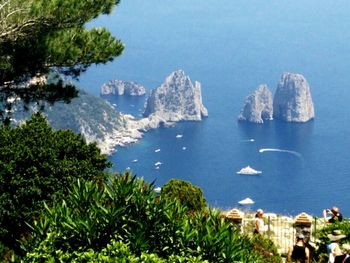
column 259, row 222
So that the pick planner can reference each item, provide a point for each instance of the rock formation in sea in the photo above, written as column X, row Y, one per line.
column 292, row 101
column 177, row 99
column 257, row 106
column 120, row 87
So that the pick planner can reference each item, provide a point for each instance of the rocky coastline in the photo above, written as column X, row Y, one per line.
column 177, row 99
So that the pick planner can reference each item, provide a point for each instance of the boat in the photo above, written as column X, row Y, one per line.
column 135, row 161
column 157, row 163
column 184, row 148
column 157, row 150
column 246, row 201
column 157, row 167
column 179, row 136
column 249, row 170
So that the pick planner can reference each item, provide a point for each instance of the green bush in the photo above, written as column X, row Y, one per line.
column 38, row 164
column 184, row 192
column 125, row 216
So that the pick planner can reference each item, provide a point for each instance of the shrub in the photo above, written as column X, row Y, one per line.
column 38, row 164
column 125, row 214
column 184, row 192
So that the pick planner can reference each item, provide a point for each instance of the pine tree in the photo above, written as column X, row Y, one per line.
column 41, row 36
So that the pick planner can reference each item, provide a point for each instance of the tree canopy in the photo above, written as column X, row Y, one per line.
column 36, row 165
column 41, row 36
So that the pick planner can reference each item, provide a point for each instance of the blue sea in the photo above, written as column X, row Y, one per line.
column 231, row 47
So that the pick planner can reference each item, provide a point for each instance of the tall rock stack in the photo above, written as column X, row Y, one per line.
column 176, row 99
column 292, row 101
column 258, row 106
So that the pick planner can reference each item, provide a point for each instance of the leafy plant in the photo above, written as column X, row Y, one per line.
column 184, row 192
column 126, row 211
column 38, row 164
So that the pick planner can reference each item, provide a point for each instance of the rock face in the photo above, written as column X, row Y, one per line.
column 176, row 99
column 119, row 87
column 258, row 107
column 292, row 101
column 93, row 117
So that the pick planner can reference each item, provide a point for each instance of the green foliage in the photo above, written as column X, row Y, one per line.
column 184, row 192
column 38, row 164
column 266, row 248
column 38, row 36
column 115, row 251
column 98, row 222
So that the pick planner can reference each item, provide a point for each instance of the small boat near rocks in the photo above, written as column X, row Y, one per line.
column 249, row 170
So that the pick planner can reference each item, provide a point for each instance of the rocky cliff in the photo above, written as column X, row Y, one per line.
column 119, row 87
column 292, row 101
column 91, row 116
column 258, row 106
column 176, row 99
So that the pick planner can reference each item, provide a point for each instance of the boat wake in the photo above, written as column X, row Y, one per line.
column 280, row 150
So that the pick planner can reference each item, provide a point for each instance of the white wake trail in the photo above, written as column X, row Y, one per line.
column 280, row 150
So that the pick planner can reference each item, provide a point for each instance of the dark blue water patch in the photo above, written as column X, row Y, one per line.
column 211, row 161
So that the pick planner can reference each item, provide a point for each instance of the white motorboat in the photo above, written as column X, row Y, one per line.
column 157, row 150
column 179, row 136
column 157, row 163
column 246, row 201
column 135, row 161
column 249, row 170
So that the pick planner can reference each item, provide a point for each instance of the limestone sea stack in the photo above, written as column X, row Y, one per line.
column 120, row 87
column 292, row 101
column 258, row 106
column 177, row 99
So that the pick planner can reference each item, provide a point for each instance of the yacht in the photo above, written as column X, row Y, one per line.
column 249, row 170
column 246, row 201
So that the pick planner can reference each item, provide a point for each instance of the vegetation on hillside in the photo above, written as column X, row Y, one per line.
column 124, row 219
column 185, row 193
column 38, row 164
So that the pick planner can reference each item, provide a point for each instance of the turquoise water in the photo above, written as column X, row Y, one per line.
column 231, row 47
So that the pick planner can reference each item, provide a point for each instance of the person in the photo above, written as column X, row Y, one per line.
column 345, row 257
column 259, row 222
column 334, row 213
column 333, row 248
column 299, row 253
